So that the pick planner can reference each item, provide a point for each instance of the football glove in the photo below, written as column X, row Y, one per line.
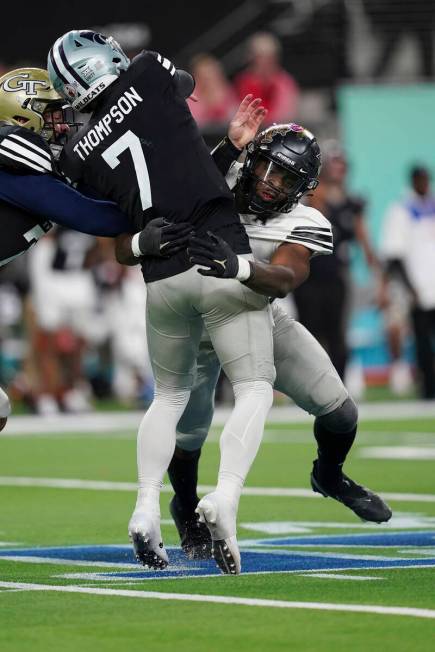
column 162, row 238
column 216, row 254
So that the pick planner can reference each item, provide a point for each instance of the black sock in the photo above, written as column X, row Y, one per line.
column 183, row 474
column 332, row 449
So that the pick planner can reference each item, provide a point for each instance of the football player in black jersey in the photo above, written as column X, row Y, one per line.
column 33, row 123
column 142, row 149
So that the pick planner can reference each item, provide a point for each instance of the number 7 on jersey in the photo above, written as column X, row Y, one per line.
column 130, row 141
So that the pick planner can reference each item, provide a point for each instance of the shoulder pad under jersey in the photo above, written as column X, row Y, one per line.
column 23, row 151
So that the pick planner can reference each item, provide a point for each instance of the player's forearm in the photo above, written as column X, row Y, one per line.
column 123, row 251
column 224, row 155
column 274, row 281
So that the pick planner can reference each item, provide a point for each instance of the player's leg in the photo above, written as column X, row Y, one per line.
column 306, row 374
column 173, row 332
column 241, row 333
column 192, row 430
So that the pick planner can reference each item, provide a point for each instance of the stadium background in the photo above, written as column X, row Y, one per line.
column 364, row 69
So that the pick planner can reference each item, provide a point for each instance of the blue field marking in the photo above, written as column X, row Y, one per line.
column 382, row 540
column 256, row 560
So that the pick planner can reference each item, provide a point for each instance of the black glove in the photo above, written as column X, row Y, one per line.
column 215, row 253
column 164, row 239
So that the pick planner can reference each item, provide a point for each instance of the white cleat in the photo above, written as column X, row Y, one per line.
column 145, row 535
column 219, row 515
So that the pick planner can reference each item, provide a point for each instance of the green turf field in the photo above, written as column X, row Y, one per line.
column 315, row 577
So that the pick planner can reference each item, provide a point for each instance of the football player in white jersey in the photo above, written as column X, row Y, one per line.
column 284, row 236
column 281, row 165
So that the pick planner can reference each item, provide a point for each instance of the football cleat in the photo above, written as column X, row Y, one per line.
column 194, row 536
column 219, row 516
column 363, row 502
column 144, row 533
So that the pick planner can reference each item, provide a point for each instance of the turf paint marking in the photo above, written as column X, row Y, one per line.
column 399, row 521
column 110, row 421
column 103, row 485
column 283, row 555
column 336, row 576
column 226, row 600
column 417, row 453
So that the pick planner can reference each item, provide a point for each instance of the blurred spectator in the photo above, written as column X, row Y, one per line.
column 217, row 101
column 409, row 252
column 266, row 78
column 396, row 302
column 124, row 365
column 323, row 300
column 394, row 19
column 64, row 300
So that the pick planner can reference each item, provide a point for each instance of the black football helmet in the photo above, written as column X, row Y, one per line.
column 281, row 165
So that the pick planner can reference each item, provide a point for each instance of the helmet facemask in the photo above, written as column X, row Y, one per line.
column 267, row 186
column 59, row 123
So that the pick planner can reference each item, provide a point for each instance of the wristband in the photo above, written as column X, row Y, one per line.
column 135, row 246
column 245, row 269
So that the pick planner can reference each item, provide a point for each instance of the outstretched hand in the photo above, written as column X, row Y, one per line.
column 246, row 122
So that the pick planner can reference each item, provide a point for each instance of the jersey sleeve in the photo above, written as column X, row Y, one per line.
column 224, row 155
column 54, row 200
column 163, row 72
column 312, row 230
column 24, row 152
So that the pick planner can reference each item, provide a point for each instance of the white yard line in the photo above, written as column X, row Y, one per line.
column 335, row 576
column 414, row 453
column 114, row 421
column 104, row 485
column 227, row 600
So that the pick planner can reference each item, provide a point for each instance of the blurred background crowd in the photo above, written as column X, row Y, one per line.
column 360, row 75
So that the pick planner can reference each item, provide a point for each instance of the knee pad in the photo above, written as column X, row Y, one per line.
column 260, row 390
column 343, row 419
column 173, row 398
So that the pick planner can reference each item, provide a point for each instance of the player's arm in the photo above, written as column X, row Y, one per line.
column 241, row 131
column 363, row 239
column 50, row 198
column 159, row 238
column 5, row 408
column 289, row 267
column 182, row 80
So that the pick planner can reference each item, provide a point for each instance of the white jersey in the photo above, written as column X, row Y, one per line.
column 302, row 225
column 409, row 235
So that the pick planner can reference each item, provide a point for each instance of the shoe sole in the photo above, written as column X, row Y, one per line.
column 144, row 554
column 318, row 489
column 224, row 558
column 220, row 551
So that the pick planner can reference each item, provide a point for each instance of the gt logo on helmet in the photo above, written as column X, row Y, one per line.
column 23, row 83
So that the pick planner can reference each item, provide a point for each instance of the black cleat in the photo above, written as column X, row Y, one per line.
column 194, row 536
column 224, row 558
column 144, row 554
column 363, row 502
